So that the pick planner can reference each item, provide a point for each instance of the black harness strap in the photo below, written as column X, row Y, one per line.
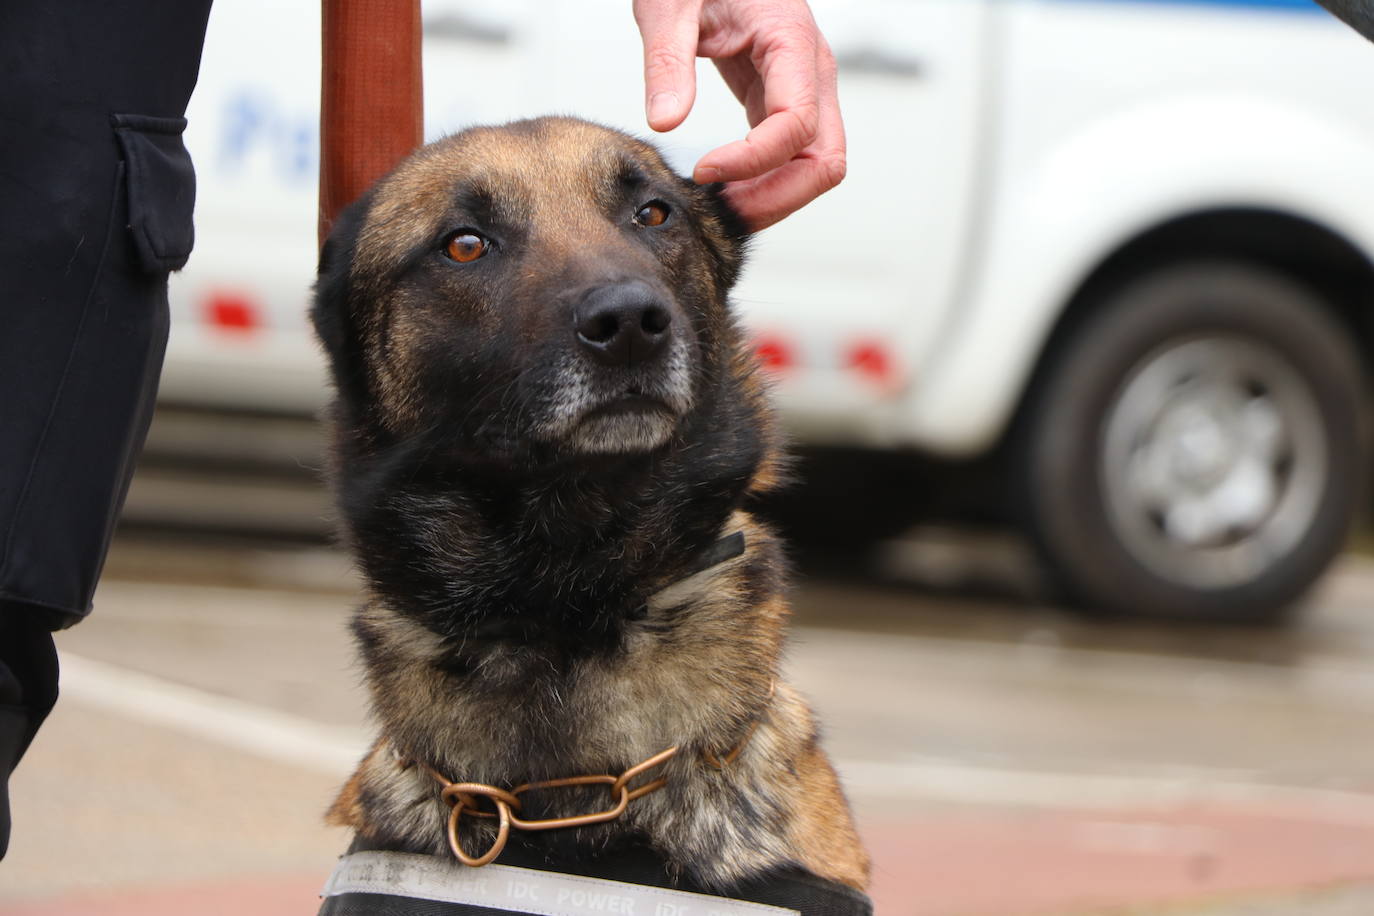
column 780, row 892
column 726, row 548
column 717, row 552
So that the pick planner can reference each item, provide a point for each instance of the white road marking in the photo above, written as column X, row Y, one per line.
column 243, row 726
column 953, row 781
column 302, row 742
column 1318, row 675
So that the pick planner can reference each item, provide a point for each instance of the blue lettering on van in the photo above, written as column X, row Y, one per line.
column 253, row 123
column 1277, row 6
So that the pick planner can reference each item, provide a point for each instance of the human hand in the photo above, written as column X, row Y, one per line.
column 777, row 63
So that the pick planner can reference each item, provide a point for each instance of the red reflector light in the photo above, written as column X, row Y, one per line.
column 773, row 354
column 232, row 312
column 871, row 359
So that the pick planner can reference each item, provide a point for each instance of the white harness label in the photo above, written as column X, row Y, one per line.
column 523, row 890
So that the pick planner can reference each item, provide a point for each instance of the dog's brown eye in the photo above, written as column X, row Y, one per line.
column 654, row 213
column 465, row 247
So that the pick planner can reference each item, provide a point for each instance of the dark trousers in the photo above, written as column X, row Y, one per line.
column 96, row 194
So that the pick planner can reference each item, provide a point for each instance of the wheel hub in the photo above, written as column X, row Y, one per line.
column 1212, row 462
column 1198, row 446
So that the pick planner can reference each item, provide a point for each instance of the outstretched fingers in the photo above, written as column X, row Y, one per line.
column 765, row 200
column 791, row 165
column 778, row 65
column 669, row 29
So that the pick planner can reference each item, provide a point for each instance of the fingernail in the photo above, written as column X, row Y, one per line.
column 663, row 106
column 706, row 174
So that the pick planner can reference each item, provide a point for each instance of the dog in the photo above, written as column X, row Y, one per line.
column 547, row 430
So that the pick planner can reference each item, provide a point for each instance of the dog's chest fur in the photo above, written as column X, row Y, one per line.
column 687, row 673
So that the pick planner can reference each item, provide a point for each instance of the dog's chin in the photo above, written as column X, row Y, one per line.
column 622, row 430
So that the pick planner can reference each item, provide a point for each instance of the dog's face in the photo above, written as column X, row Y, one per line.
column 550, row 287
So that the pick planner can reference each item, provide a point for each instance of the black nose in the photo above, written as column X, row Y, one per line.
column 624, row 324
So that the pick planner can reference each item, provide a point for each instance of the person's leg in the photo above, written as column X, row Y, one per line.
column 96, row 209
column 28, row 689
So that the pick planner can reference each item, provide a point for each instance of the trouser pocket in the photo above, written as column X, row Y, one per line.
column 161, row 189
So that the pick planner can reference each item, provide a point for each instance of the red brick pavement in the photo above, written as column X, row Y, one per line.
column 1048, row 862
column 959, row 863
column 251, row 896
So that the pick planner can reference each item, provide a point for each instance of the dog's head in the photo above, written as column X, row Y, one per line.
column 545, row 288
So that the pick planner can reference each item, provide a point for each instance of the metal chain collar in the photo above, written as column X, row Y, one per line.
column 461, row 797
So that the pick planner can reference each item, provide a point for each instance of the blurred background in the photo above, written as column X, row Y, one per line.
column 1077, row 365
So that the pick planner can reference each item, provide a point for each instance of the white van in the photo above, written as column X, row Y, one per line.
column 1126, row 246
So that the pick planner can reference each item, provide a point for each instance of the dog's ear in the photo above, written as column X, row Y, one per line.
column 333, row 312
column 726, row 234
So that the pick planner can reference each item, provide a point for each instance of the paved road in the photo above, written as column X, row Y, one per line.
column 1003, row 757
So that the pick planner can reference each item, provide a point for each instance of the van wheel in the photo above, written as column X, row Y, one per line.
column 1194, row 449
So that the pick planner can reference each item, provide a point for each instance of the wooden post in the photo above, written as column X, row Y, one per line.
column 371, row 96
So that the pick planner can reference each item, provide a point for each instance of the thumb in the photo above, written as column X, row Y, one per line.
column 669, row 29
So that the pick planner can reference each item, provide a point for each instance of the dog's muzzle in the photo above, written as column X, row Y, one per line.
column 625, row 324
column 626, row 379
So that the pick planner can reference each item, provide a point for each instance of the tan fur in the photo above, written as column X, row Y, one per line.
column 772, row 473
column 823, row 829
column 346, row 810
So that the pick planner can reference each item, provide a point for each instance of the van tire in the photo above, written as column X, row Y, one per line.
column 1193, row 449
